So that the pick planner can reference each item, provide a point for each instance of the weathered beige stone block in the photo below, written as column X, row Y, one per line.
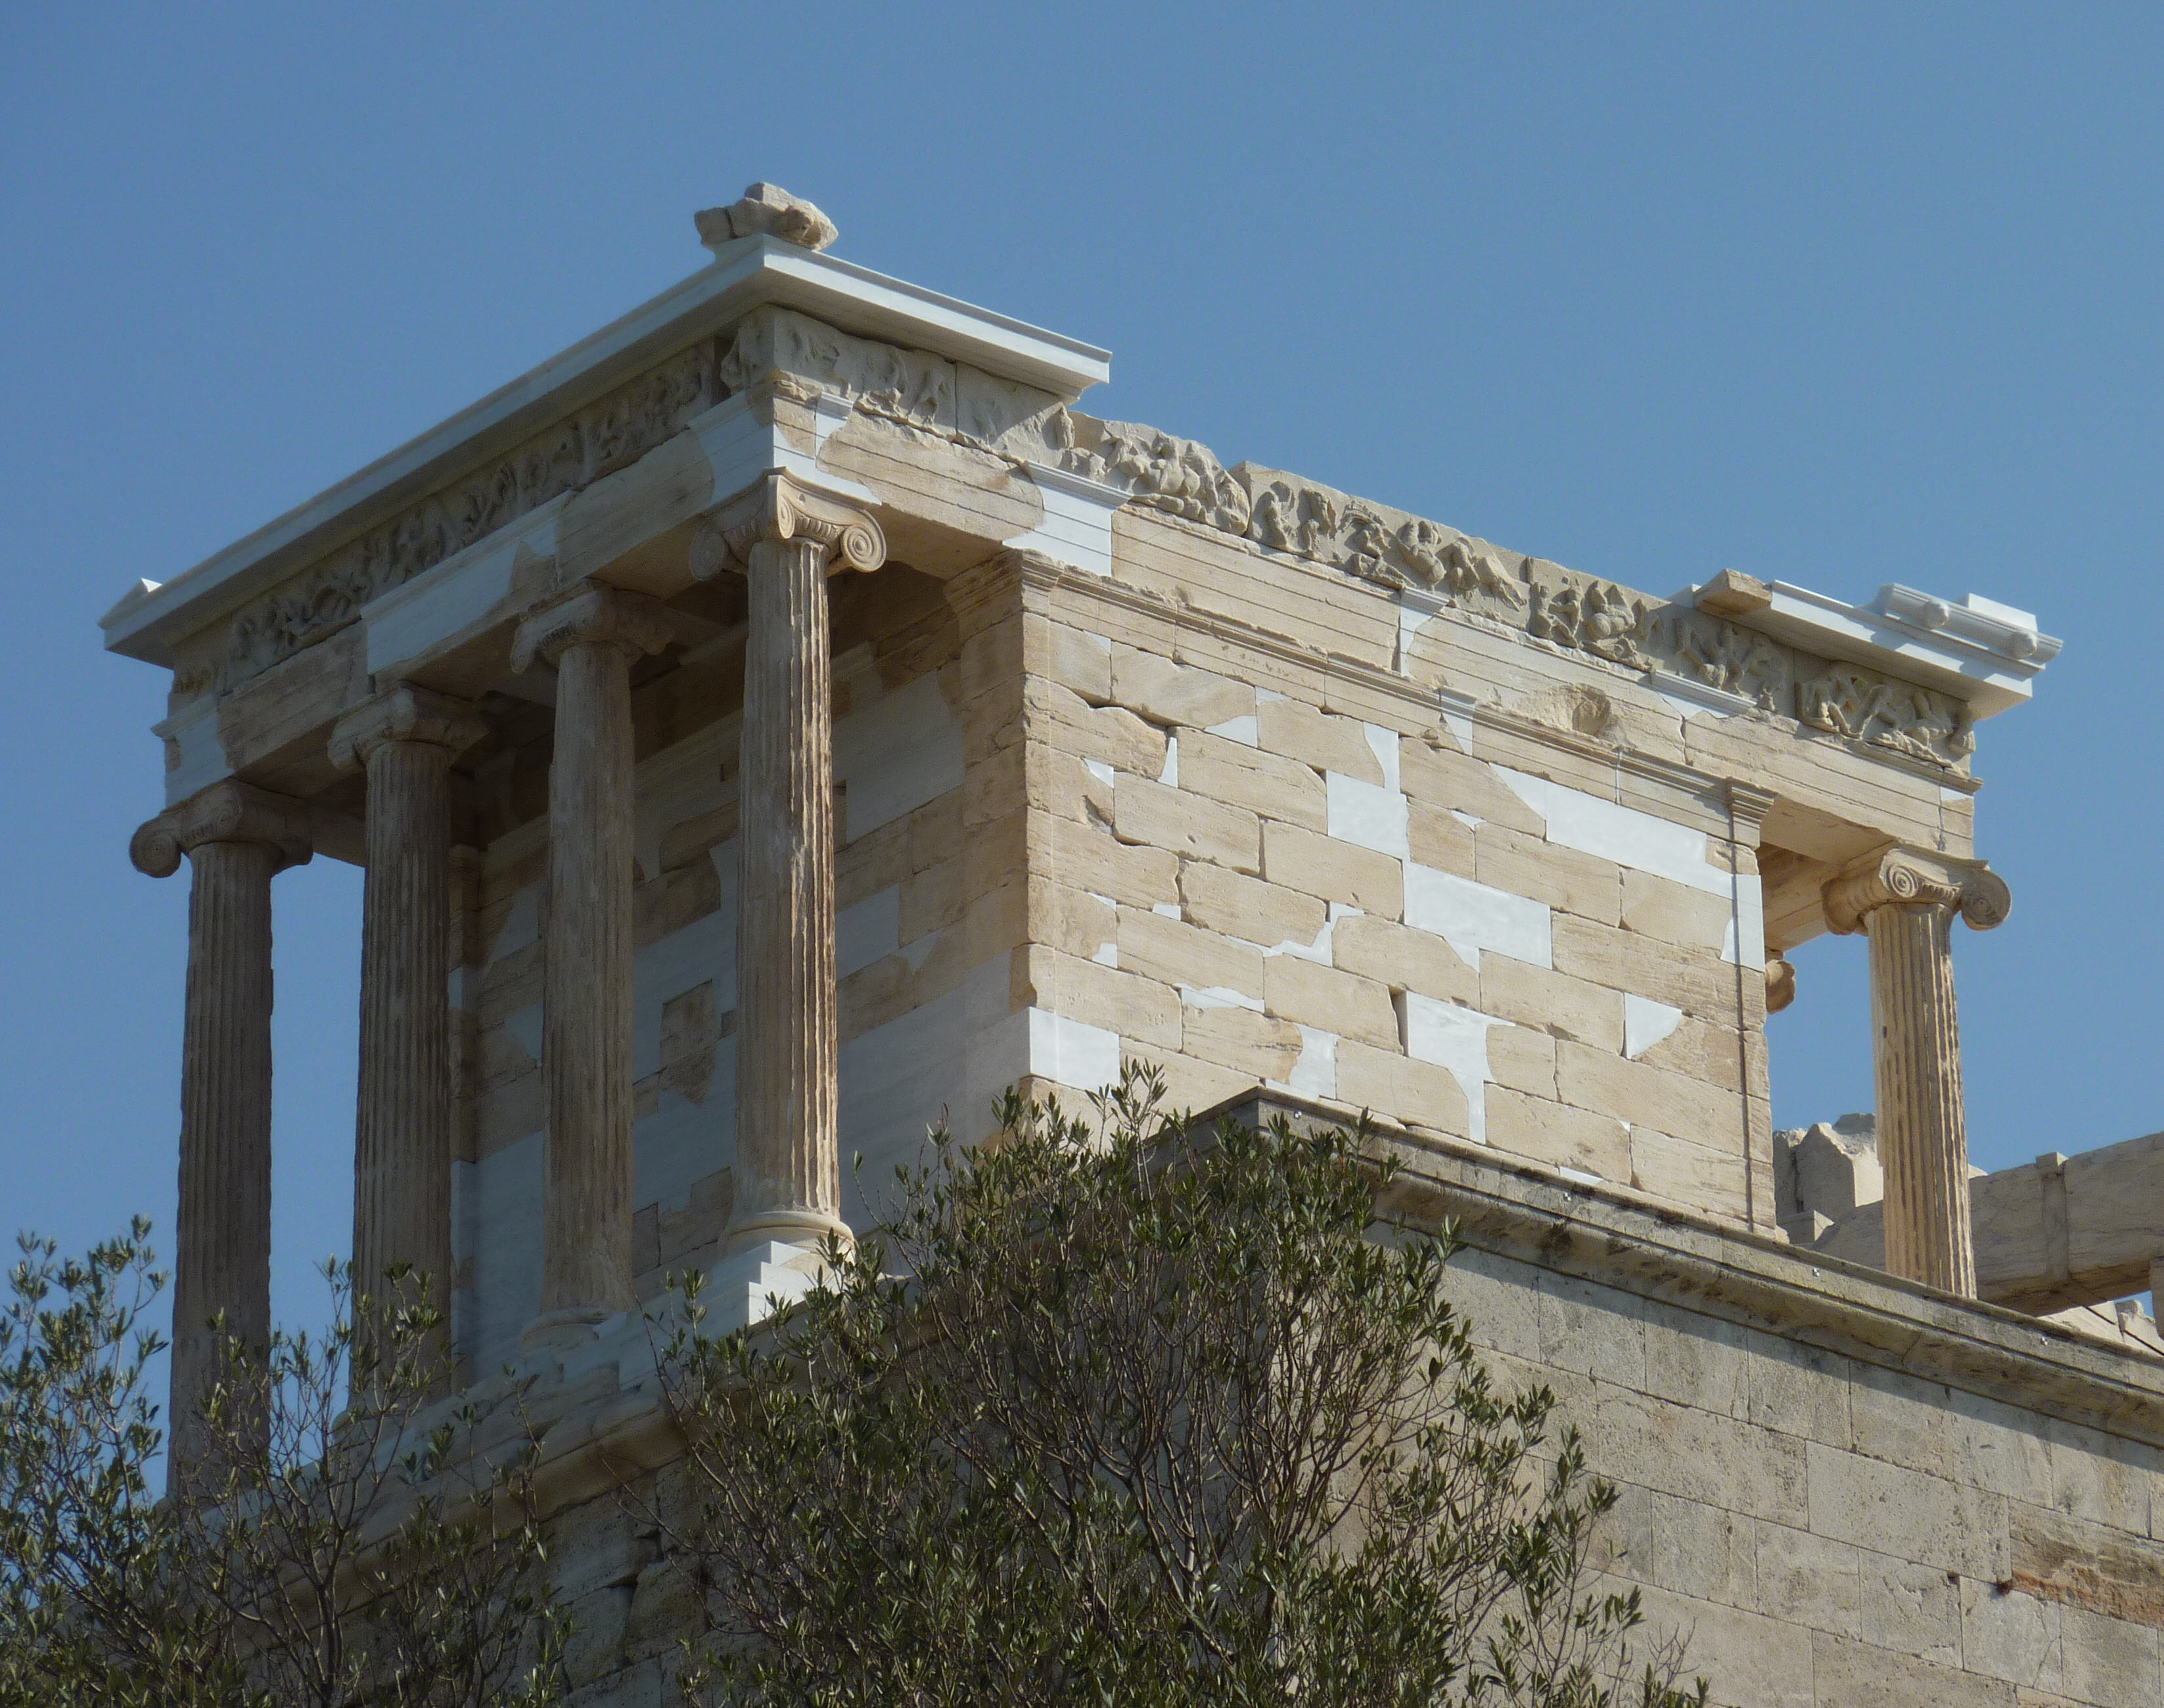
column 1110, row 734
column 1676, row 913
column 1443, row 777
column 1192, row 1084
column 1632, row 1091
column 1806, row 1580
column 1078, row 660
column 1800, row 1390
column 1592, row 1330
column 1248, row 908
column 2107, row 1661
column 1404, row 959
column 1696, row 1550
column 1302, row 732
column 1164, row 692
column 1555, row 1132
column 2009, row 1636
column 1439, row 839
column 1001, row 853
column 1309, row 994
column 1705, row 1177
column 1092, row 860
column 1394, row 1084
column 1256, row 1046
column 1700, row 1457
column 1174, row 952
column 1334, row 870
column 1697, row 1360
column 1709, row 1051
column 1623, row 960
column 931, row 900
column 1843, row 1671
column 1261, row 782
column 1063, row 784
column 1071, row 921
column 1188, row 824
column 1942, row 1524
column 871, row 996
column 1097, row 995
column 1549, row 1001
column 1523, row 1059
column 1900, row 1419
column 1520, row 864
column 1913, row 1609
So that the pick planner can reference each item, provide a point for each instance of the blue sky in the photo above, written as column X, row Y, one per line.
column 1838, row 295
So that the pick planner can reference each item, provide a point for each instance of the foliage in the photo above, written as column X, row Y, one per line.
column 1108, row 1417
column 94, row 1601
column 344, row 1538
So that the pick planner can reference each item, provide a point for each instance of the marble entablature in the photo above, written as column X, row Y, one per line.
column 1663, row 642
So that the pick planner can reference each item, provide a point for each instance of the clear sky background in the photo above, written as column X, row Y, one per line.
column 1837, row 295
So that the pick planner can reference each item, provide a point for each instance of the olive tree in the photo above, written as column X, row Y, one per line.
column 1107, row 1413
column 342, row 1538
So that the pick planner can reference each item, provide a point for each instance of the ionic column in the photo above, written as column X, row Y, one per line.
column 236, row 838
column 787, row 1173
column 406, row 738
column 1906, row 901
column 591, row 637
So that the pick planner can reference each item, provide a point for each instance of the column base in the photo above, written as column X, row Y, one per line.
column 806, row 1228
column 559, row 1331
column 749, row 1285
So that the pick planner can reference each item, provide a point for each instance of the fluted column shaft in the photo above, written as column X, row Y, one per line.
column 236, row 840
column 587, row 990
column 222, row 1238
column 787, row 1173
column 402, row 1208
column 406, row 738
column 1905, row 901
column 586, row 982
column 1923, row 1124
column 788, row 1178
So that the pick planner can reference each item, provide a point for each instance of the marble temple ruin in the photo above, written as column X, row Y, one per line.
column 784, row 718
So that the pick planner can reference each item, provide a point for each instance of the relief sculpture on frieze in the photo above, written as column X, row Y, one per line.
column 1733, row 659
column 601, row 438
column 1865, row 707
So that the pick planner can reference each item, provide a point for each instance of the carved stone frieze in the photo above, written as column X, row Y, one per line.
column 1593, row 615
column 1157, row 469
column 605, row 436
column 907, row 386
column 1721, row 655
column 1389, row 547
column 1918, row 722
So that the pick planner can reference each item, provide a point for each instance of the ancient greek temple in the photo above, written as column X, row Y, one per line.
column 785, row 719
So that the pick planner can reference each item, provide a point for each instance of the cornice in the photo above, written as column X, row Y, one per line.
column 745, row 274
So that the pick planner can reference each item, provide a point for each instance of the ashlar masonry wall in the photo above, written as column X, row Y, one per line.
column 1841, row 1489
column 1310, row 864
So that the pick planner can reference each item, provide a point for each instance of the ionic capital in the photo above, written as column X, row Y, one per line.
column 404, row 713
column 595, row 614
column 778, row 508
column 1902, row 877
column 230, row 811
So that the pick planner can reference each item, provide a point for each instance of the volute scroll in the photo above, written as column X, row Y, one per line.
column 778, row 509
